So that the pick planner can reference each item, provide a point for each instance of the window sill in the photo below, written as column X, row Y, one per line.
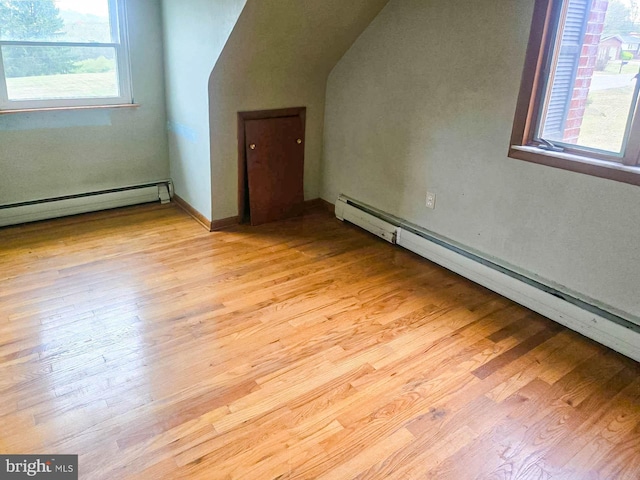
column 60, row 109
column 577, row 163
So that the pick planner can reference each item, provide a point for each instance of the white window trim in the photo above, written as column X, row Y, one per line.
column 117, row 12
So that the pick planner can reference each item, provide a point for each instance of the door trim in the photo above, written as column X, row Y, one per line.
column 242, row 157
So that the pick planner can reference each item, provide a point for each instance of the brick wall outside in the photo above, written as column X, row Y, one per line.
column 586, row 67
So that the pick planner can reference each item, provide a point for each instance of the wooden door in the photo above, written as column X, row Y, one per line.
column 275, row 167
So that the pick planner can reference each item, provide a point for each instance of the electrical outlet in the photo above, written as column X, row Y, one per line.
column 431, row 200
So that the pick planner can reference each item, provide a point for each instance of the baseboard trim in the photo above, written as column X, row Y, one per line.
column 318, row 204
column 311, row 205
column 192, row 212
column 330, row 207
column 224, row 223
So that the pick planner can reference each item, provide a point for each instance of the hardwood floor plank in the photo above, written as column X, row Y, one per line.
column 301, row 349
column 513, row 353
column 363, row 460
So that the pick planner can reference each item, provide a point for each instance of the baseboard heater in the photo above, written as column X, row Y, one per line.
column 610, row 329
column 43, row 209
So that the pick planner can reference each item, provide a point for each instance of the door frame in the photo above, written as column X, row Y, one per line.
column 242, row 154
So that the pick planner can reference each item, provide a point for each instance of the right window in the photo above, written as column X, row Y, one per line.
column 578, row 104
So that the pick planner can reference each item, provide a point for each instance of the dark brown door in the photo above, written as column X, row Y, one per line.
column 275, row 168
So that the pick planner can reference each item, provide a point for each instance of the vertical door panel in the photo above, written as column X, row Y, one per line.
column 275, row 168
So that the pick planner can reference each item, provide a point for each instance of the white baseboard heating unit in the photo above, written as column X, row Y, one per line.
column 16, row 213
column 618, row 333
column 371, row 223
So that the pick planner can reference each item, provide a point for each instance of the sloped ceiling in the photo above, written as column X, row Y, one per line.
column 279, row 55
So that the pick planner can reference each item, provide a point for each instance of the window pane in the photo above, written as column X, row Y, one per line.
column 55, row 20
column 42, row 73
column 591, row 89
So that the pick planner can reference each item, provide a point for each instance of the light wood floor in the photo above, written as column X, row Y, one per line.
column 305, row 349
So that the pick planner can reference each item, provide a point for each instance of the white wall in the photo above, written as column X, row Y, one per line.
column 50, row 154
column 195, row 32
column 279, row 55
column 425, row 99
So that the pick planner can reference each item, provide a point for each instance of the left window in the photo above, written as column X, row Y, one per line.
column 63, row 53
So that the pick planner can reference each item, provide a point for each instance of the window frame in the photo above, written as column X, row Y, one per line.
column 623, row 168
column 119, row 31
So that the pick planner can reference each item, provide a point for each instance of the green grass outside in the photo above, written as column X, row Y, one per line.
column 605, row 118
column 613, row 67
column 77, row 85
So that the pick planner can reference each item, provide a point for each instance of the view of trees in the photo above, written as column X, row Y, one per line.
column 41, row 20
column 30, row 19
column 622, row 17
column 33, row 20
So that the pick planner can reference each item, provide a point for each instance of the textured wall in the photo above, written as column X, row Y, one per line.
column 278, row 55
column 195, row 32
column 50, row 154
column 425, row 99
